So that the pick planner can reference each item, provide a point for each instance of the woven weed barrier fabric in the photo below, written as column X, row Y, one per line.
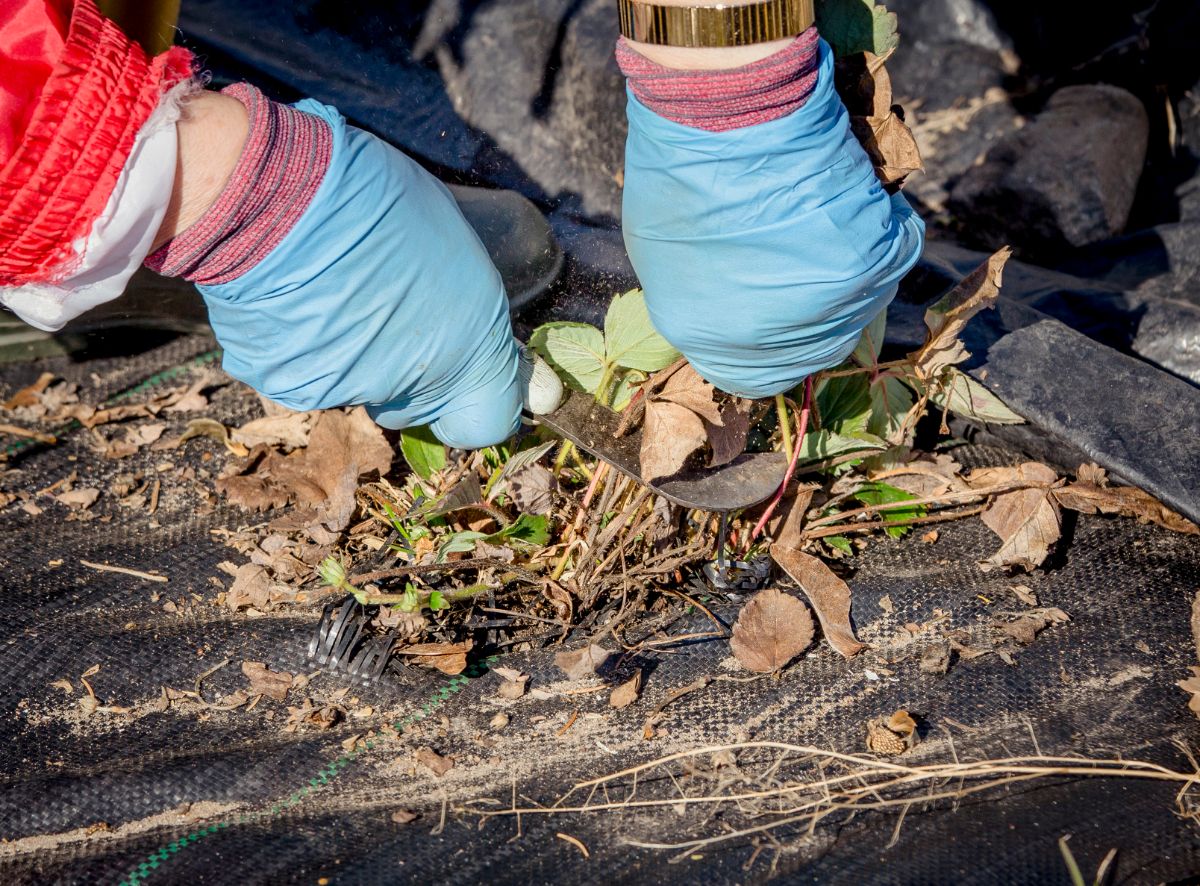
column 137, row 788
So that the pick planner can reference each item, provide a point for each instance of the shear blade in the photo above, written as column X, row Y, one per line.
column 747, row 480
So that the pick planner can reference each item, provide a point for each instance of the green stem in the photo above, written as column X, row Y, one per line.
column 606, row 378
column 785, row 425
column 866, row 370
column 563, row 454
column 561, row 566
column 579, row 462
column 452, row 595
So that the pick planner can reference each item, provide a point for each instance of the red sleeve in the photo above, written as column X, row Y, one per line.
column 74, row 92
column 32, row 33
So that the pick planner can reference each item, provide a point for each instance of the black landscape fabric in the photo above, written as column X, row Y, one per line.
column 121, row 764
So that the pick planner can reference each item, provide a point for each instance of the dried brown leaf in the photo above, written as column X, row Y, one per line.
column 627, row 693
column 263, row 680
column 531, row 489
column 252, row 486
column 253, row 587
column 947, row 319
column 687, row 388
column 1196, row 624
column 863, row 83
column 1128, row 501
column 404, row 816
column 935, row 659
column 309, row 714
column 449, row 658
column 1025, row 594
column 288, row 431
column 433, row 761
column 1192, row 685
column 579, row 664
column 829, row 595
column 512, row 683
column 339, row 443
column 728, row 439
column 79, row 499
column 30, row 395
column 342, row 447
column 1092, row 473
column 890, row 144
column 205, row 427
column 1025, row 474
column 1026, row 627
column 679, row 419
column 671, row 434
column 1027, row 521
column 190, row 399
column 771, row 630
column 789, row 531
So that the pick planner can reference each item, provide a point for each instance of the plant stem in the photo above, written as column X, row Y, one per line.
column 785, row 425
column 575, row 457
column 563, row 454
column 452, row 595
column 867, row 370
column 606, row 378
column 561, row 566
column 847, row 528
column 787, row 477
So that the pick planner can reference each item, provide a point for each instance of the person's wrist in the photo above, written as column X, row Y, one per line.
column 211, row 135
column 686, row 58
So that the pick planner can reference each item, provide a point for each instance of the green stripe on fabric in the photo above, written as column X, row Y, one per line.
column 142, row 872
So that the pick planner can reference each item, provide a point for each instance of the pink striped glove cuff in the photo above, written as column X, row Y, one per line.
column 282, row 164
column 721, row 100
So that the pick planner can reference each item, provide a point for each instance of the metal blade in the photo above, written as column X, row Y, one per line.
column 746, row 481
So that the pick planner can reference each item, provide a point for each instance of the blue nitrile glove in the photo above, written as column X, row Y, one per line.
column 763, row 251
column 381, row 294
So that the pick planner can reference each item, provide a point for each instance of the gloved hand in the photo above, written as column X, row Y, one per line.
column 380, row 294
column 763, row 250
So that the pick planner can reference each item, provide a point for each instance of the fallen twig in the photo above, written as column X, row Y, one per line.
column 872, row 526
column 946, row 499
column 15, row 431
column 576, row 843
column 652, row 719
column 136, row 573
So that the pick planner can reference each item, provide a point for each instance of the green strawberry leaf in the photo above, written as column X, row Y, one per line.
column 840, row 543
column 533, row 529
column 824, row 444
column 891, row 402
column 870, row 343
column 844, row 404
column 630, row 339
column 459, row 543
column 575, row 350
column 424, row 452
column 966, row 397
column 853, row 26
column 875, row 493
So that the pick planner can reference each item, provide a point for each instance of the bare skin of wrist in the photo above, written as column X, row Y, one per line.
column 691, row 59
column 212, row 133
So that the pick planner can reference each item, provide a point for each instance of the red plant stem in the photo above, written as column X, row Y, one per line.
column 601, row 473
column 787, row 477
